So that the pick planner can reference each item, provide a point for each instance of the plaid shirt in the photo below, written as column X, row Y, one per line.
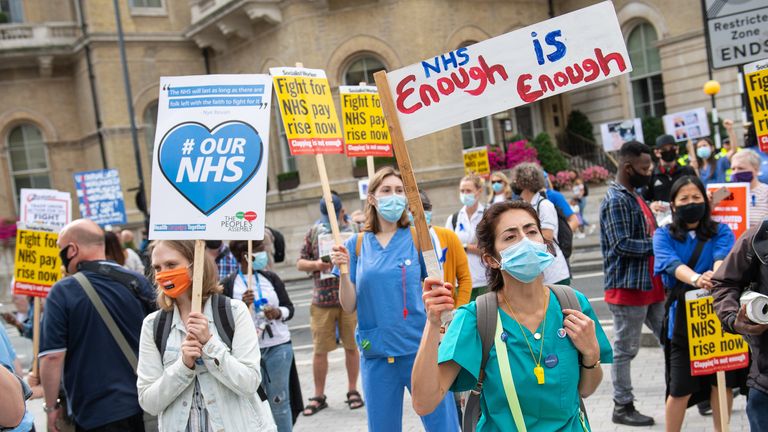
column 326, row 291
column 226, row 262
column 624, row 241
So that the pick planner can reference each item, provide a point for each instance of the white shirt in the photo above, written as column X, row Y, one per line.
column 228, row 378
column 133, row 261
column 558, row 270
column 499, row 198
column 465, row 230
column 280, row 332
column 758, row 204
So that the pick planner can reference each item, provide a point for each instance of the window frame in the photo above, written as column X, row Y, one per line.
column 361, row 56
column 647, row 78
column 27, row 172
column 148, row 10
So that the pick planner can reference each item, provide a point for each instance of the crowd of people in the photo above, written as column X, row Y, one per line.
column 519, row 332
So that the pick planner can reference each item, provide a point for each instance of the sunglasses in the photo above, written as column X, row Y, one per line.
column 497, row 182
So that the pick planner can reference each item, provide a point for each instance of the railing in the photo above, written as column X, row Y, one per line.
column 583, row 153
column 26, row 36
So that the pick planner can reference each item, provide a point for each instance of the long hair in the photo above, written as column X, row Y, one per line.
column 371, row 218
column 486, row 235
column 112, row 248
column 711, row 161
column 678, row 229
column 187, row 249
column 507, row 191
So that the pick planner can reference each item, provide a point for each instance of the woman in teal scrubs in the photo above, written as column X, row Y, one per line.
column 384, row 286
column 552, row 359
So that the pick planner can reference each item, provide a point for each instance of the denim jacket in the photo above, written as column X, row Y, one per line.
column 228, row 380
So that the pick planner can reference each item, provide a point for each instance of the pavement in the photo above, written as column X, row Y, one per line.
column 647, row 368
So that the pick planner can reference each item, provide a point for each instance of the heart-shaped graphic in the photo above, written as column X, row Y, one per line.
column 209, row 166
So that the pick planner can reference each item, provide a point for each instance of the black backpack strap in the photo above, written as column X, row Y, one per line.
column 696, row 253
column 161, row 330
column 223, row 319
column 228, row 284
column 487, row 305
column 454, row 220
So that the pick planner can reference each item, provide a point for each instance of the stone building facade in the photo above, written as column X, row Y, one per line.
column 63, row 103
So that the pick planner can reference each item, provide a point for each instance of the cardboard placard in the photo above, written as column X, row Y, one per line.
column 687, row 125
column 476, row 161
column 325, row 243
column 711, row 349
column 732, row 210
column 362, row 188
column 365, row 130
column 756, row 77
column 520, row 67
column 44, row 209
column 307, row 110
column 100, row 196
column 209, row 172
column 614, row 134
column 36, row 266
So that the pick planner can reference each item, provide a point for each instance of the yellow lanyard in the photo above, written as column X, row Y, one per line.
column 538, row 371
column 506, row 378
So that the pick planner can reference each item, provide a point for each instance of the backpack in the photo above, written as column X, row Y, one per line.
column 564, row 232
column 487, row 306
column 454, row 220
column 278, row 244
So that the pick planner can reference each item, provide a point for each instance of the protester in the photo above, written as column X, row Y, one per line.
column 659, row 184
column 451, row 254
column 515, row 255
column 580, row 192
column 9, row 360
column 464, row 223
column 634, row 296
column 389, row 326
column 561, row 204
column 745, row 167
column 112, row 248
column 271, row 309
column 326, row 314
column 100, row 382
column 712, row 165
column 500, row 189
column 530, row 180
column 13, row 393
column 744, row 268
column 221, row 255
column 22, row 319
column 687, row 251
column 199, row 383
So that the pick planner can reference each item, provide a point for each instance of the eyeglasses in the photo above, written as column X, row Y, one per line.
column 497, row 182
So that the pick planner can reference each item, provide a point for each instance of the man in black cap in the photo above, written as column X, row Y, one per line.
column 666, row 172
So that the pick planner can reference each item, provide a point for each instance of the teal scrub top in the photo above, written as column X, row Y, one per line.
column 552, row 406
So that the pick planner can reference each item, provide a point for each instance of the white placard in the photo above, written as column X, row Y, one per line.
column 209, row 171
column 614, row 134
column 520, row 67
column 362, row 188
column 687, row 125
column 44, row 209
column 324, row 244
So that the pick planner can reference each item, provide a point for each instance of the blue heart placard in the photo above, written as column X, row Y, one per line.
column 209, row 166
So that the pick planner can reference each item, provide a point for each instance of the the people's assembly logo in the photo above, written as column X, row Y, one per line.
column 242, row 221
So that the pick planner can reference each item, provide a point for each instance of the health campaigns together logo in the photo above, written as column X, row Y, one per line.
column 209, row 166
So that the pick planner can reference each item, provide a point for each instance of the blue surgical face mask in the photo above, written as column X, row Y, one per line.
column 391, row 207
column 704, row 152
column 467, row 199
column 427, row 216
column 259, row 260
column 497, row 187
column 525, row 260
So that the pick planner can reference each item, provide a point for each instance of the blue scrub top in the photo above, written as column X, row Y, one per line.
column 378, row 274
column 707, row 176
column 552, row 406
column 671, row 253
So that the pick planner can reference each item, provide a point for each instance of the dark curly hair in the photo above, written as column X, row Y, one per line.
column 486, row 235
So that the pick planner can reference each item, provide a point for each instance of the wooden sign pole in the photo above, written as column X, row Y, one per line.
column 722, row 402
column 35, row 334
column 250, row 270
column 423, row 238
column 371, row 166
column 197, row 276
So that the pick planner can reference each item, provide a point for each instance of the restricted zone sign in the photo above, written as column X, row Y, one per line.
column 736, row 31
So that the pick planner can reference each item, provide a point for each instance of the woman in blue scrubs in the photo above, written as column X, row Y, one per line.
column 553, row 354
column 384, row 286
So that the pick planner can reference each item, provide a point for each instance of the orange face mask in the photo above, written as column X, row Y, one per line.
column 174, row 282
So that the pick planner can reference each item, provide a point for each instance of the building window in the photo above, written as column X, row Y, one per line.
column 476, row 133
column 362, row 70
column 647, row 86
column 146, row 4
column 11, row 11
column 150, row 126
column 28, row 158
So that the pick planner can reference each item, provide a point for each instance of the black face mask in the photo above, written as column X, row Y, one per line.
column 213, row 244
column 638, row 180
column 64, row 259
column 669, row 155
column 691, row 213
